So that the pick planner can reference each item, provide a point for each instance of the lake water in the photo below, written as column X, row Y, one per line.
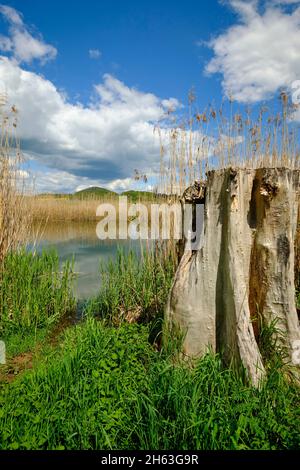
column 79, row 241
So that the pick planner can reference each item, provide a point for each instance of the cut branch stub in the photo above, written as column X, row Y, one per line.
column 195, row 193
column 244, row 268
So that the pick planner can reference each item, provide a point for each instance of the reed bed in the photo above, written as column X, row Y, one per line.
column 226, row 137
column 14, row 219
column 55, row 209
column 34, row 293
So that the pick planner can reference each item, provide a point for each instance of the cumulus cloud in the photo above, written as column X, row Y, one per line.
column 95, row 54
column 104, row 141
column 20, row 43
column 56, row 181
column 120, row 184
column 260, row 54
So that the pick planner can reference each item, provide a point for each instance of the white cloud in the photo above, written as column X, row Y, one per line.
column 95, row 54
column 55, row 181
column 261, row 53
column 121, row 184
column 105, row 141
column 11, row 15
column 23, row 46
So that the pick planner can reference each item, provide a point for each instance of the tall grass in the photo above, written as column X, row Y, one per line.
column 54, row 209
column 106, row 388
column 218, row 138
column 72, row 209
column 215, row 138
column 135, row 286
column 14, row 218
column 34, row 292
column 210, row 408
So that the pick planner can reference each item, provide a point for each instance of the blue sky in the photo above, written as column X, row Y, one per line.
column 150, row 45
column 90, row 79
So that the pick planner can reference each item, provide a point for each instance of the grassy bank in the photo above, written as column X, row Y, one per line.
column 107, row 388
column 109, row 384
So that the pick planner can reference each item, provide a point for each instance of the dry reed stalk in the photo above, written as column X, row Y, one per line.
column 58, row 209
column 52, row 209
column 14, row 219
column 209, row 140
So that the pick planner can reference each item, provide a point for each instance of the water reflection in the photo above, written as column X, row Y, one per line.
column 79, row 241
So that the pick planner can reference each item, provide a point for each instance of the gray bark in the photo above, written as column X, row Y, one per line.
column 244, row 267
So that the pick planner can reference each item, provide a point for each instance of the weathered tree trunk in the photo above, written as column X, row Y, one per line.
column 243, row 268
column 297, row 252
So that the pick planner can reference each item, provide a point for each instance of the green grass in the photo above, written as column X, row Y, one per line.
column 35, row 294
column 19, row 343
column 104, row 385
column 134, row 286
column 106, row 388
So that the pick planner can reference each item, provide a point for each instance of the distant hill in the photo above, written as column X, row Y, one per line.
column 93, row 193
column 96, row 192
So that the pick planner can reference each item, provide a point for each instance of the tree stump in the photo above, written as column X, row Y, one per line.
column 244, row 268
column 297, row 253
